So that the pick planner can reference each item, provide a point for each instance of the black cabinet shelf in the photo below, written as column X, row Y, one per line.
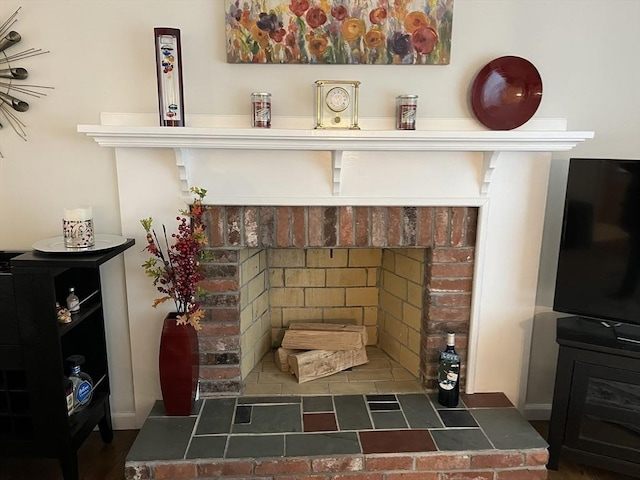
column 34, row 348
column 595, row 418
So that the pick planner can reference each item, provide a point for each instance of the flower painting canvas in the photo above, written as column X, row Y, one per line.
column 411, row 32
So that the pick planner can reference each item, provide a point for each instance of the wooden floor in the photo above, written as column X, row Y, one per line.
column 106, row 462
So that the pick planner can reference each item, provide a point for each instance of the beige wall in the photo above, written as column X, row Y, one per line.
column 101, row 60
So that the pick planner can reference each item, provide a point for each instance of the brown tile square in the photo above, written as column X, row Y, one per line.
column 396, row 441
column 319, row 422
column 486, row 400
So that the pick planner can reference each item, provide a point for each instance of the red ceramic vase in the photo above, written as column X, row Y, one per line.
column 179, row 366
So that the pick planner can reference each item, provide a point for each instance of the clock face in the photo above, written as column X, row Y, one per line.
column 337, row 99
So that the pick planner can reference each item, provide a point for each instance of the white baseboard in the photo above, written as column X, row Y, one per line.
column 124, row 421
column 537, row 411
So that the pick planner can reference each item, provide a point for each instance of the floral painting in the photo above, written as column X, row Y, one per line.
column 413, row 32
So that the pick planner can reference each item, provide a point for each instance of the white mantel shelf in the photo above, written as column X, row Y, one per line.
column 332, row 140
column 340, row 143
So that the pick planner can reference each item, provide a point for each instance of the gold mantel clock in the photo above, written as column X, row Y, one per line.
column 337, row 104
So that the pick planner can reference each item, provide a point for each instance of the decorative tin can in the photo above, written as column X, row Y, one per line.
column 261, row 110
column 406, row 108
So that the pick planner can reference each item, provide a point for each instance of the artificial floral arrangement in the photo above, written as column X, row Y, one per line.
column 175, row 269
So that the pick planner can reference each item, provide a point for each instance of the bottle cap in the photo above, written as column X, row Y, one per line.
column 76, row 359
column 451, row 338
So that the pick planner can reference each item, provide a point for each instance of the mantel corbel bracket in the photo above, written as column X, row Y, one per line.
column 338, row 162
column 183, row 162
column 489, row 164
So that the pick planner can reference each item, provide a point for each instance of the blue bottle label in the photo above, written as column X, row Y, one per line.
column 83, row 393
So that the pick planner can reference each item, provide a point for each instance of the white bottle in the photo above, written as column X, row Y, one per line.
column 73, row 302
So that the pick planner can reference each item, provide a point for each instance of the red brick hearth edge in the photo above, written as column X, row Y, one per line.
column 526, row 464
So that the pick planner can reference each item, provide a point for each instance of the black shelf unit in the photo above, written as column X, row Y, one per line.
column 33, row 349
column 595, row 417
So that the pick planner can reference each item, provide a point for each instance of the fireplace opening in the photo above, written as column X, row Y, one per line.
column 405, row 274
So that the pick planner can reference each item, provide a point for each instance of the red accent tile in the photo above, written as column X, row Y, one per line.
column 396, row 441
column 319, row 422
column 487, row 400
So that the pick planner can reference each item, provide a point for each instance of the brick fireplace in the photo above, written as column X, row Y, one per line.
column 403, row 272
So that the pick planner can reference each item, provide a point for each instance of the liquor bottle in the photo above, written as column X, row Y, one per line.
column 449, row 374
column 68, row 391
column 82, row 383
column 73, row 302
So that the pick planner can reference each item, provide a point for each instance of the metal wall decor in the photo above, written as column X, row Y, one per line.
column 407, row 32
column 9, row 103
column 169, row 73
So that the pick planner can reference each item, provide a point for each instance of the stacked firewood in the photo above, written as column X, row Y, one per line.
column 316, row 350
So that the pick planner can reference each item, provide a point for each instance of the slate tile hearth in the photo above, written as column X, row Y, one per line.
column 293, row 426
column 356, row 424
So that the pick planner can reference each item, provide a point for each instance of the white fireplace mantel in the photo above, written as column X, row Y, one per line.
column 446, row 162
column 342, row 144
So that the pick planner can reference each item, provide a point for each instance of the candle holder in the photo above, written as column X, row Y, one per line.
column 169, row 73
column 77, row 227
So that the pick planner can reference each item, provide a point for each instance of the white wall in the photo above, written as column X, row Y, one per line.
column 587, row 51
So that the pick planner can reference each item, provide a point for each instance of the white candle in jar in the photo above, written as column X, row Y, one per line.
column 77, row 214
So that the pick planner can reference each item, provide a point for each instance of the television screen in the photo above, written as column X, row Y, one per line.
column 599, row 262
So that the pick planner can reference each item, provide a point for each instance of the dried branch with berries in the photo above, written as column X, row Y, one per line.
column 175, row 268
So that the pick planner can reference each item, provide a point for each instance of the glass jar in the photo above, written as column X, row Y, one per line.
column 261, row 110
column 406, row 108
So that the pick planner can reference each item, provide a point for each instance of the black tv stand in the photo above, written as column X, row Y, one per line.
column 595, row 418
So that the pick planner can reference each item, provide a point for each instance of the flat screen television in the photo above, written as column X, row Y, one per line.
column 599, row 262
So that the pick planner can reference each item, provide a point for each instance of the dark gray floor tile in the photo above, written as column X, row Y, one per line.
column 386, row 397
column 158, row 408
column 352, row 413
column 255, row 446
column 162, row 438
column 340, row 443
column 207, row 447
column 507, row 428
column 457, row 418
column 319, row 404
column 388, row 420
column 216, row 416
column 262, row 400
column 383, row 406
column 272, row 419
column 460, row 439
column 419, row 411
column 243, row 414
